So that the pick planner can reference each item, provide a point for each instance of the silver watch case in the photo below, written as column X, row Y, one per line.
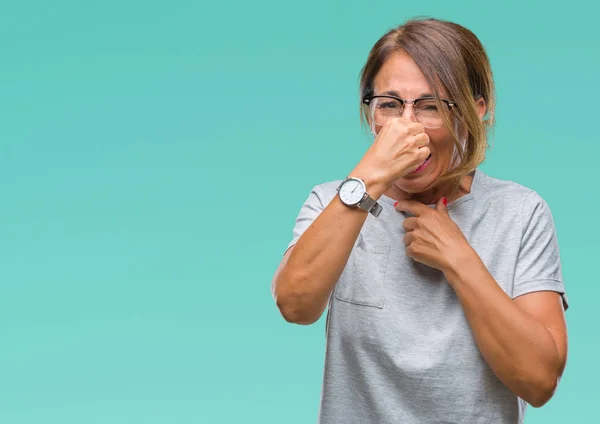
column 366, row 203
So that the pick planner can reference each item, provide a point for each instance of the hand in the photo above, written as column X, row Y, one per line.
column 399, row 148
column 433, row 238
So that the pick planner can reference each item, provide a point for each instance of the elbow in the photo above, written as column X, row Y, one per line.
column 294, row 313
column 539, row 399
column 294, row 306
column 543, row 392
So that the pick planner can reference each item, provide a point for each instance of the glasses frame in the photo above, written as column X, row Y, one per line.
column 368, row 99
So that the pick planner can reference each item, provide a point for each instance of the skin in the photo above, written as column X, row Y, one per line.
column 400, row 76
column 524, row 340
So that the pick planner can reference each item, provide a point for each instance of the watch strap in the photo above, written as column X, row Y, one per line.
column 370, row 205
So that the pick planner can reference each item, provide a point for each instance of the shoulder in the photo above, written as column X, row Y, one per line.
column 320, row 196
column 489, row 186
column 326, row 191
column 511, row 196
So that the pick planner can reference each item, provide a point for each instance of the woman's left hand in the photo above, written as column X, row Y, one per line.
column 433, row 238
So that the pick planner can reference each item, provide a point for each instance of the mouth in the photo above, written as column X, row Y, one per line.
column 423, row 165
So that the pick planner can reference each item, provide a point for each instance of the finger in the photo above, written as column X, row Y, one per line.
column 407, row 126
column 417, row 158
column 421, row 140
column 423, row 153
column 409, row 238
column 415, row 128
column 410, row 224
column 412, row 206
column 412, row 251
column 442, row 206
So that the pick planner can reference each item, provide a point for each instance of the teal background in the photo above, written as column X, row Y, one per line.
column 153, row 158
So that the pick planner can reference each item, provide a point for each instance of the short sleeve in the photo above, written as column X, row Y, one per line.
column 310, row 210
column 538, row 264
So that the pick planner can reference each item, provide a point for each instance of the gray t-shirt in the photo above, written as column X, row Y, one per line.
column 399, row 348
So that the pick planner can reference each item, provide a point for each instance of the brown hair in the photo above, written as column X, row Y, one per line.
column 453, row 60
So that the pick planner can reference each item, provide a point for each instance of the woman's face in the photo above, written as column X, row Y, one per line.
column 400, row 76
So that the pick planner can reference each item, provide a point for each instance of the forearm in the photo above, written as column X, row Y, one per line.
column 309, row 272
column 518, row 348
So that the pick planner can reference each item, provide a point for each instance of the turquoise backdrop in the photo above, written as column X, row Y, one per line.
column 153, row 158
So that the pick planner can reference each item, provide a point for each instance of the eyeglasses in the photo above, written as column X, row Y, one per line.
column 426, row 110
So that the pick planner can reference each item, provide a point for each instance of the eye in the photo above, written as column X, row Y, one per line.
column 389, row 104
column 427, row 106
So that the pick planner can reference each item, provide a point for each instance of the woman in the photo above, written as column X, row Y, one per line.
column 443, row 284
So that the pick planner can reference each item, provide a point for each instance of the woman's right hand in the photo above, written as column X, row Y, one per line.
column 399, row 148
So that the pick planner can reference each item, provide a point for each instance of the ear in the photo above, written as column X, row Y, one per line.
column 481, row 107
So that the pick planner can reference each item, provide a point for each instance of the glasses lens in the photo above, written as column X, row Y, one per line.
column 429, row 114
column 384, row 109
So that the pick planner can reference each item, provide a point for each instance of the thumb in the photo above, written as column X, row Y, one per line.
column 442, row 206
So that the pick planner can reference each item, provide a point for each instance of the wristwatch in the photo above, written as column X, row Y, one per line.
column 353, row 193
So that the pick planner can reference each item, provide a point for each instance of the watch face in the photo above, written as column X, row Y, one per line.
column 352, row 191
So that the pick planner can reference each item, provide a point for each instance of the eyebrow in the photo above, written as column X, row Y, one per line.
column 396, row 94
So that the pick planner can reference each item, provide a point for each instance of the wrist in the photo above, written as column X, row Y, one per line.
column 462, row 266
column 375, row 185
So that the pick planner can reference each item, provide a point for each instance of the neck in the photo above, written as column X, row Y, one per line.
column 431, row 195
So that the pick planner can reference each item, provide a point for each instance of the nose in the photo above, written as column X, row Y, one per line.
column 409, row 112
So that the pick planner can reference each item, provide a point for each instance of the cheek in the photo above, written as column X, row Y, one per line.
column 442, row 146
